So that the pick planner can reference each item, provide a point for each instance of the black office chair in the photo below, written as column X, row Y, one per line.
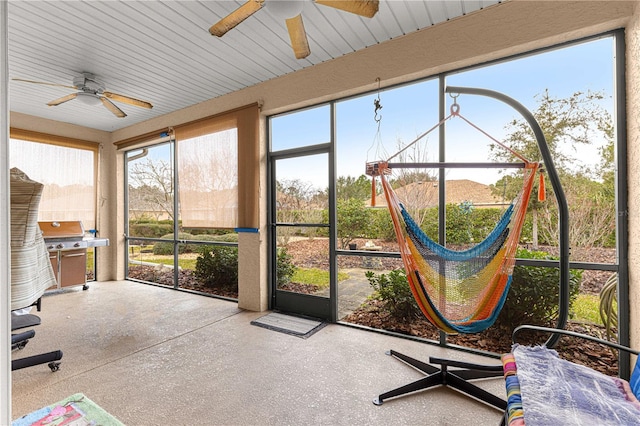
column 20, row 340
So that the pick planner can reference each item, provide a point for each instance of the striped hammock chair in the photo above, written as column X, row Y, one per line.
column 459, row 291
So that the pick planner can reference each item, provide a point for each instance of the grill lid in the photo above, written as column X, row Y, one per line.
column 71, row 229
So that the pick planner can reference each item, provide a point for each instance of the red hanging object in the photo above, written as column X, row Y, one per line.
column 373, row 191
column 542, row 194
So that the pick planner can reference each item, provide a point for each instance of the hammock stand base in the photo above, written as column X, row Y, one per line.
column 457, row 379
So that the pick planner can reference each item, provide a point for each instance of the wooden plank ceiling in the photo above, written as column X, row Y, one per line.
column 162, row 52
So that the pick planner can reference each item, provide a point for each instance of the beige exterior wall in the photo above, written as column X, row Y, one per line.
column 509, row 28
column 633, row 165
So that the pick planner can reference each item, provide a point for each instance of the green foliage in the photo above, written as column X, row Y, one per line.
column 393, row 289
column 284, row 267
column 354, row 220
column 463, row 227
column 381, row 226
column 217, row 267
column 226, row 238
column 349, row 187
column 149, row 229
column 167, row 248
column 316, row 277
column 533, row 297
column 567, row 123
column 586, row 309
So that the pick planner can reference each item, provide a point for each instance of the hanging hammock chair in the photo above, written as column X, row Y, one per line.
column 464, row 291
column 460, row 291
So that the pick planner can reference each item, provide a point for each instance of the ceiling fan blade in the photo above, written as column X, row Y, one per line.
column 43, row 83
column 112, row 107
column 62, row 99
column 366, row 8
column 127, row 100
column 298, row 37
column 234, row 18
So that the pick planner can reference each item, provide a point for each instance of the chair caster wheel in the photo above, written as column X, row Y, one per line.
column 54, row 366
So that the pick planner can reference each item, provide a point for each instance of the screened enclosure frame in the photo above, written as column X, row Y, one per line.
column 621, row 203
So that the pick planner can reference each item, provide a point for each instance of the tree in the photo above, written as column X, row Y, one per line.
column 349, row 187
column 591, row 211
column 298, row 202
column 566, row 123
column 354, row 220
column 151, row 187
column 410, row 182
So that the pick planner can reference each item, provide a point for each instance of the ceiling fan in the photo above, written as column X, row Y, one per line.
column 291, row 11
column 92, row 92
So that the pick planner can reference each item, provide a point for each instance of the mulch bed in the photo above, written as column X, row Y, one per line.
column 493, row 339
column 186, row 280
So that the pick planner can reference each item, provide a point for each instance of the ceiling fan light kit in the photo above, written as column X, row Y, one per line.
column 284, row 9
column 88, row 98
column 291, row 11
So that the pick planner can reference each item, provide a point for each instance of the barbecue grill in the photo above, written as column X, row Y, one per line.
column 67, row 245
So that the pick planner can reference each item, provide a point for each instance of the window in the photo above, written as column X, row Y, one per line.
column 571, row 91
column 68, row 174
column 183, row 203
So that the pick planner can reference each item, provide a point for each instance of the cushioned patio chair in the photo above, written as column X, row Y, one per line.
column 543, row 389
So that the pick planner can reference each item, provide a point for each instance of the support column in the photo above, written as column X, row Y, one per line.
column 252, row 257
column 633, row 174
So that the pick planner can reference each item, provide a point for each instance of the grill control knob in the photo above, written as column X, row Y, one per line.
column 60, row 246
column 51, row 247
column 76, row 245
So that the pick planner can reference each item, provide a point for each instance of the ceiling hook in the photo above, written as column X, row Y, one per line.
column 377, row 104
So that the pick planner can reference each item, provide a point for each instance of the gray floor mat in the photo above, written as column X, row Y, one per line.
column 297, row 326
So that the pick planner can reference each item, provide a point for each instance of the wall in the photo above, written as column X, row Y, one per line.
column 633, row 165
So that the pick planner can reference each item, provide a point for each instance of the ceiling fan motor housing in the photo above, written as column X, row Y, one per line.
column 87, row 83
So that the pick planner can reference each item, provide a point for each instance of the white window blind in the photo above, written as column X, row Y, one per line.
column 68, row 176
column 208, row 180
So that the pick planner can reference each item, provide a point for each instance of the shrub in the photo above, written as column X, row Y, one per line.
column 226, row 238
column 284, row 267
column 167, row 248
column 354, row 220
column 149, row 229
column 381, row 225
column 533, row 297
column 393, row 289
column 217, row 267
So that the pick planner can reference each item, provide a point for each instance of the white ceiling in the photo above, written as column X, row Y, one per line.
column 162, row 52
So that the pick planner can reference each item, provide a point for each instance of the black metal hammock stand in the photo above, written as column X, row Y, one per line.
column 481, row 275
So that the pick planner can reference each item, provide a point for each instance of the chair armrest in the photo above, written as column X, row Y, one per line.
column 572, row 334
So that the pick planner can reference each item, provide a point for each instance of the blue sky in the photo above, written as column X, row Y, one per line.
column 408, row 111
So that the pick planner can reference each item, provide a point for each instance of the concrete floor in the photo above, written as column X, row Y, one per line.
column 151, row 356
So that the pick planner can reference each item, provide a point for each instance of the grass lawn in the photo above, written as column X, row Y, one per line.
column 314, row 276
column 586, row 308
